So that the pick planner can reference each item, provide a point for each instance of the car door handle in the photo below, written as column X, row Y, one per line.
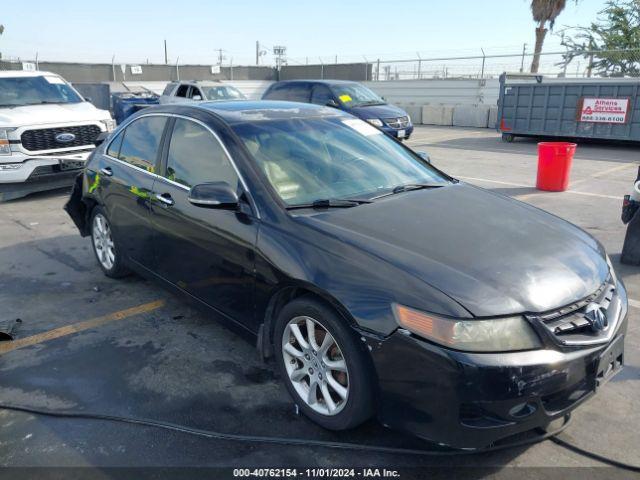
column 165, row 198
column 106, row 171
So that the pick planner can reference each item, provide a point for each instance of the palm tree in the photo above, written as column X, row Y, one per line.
column 544, row 11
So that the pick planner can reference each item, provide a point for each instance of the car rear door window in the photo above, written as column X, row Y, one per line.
column 299, row 92
column 321, row 95
column 196, row 156
column 292, row 92
column 183, row 91
column 141, row 142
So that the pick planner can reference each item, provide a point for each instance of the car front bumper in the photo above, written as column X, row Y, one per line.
column 400, row 133
column 471, row 400
column 29, row 174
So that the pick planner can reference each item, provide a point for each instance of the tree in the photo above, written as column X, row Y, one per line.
column 611, row 44
column 1, row 32
column 544, row 11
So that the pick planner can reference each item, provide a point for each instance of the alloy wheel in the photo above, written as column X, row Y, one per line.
column 315, row 365
column 103, row 241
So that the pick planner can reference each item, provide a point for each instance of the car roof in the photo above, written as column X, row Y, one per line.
column 204, row 83
column 241, row 111
column 324, row 82
column 22, row 73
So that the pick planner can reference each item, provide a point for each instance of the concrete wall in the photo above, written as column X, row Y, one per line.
column 341, row 71
column 103, row 72
column 438, row 91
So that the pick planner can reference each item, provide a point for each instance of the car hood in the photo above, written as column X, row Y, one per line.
column 53, row 113
column 492, row 254
column 378, row 111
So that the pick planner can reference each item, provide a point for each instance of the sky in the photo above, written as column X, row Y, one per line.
column 134, row 31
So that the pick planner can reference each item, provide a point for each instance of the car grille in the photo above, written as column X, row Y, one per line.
column 569, row 325
column 45, row 138
column 399, row 122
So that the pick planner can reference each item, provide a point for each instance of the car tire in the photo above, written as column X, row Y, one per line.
column 105, row 246
column 324, row 369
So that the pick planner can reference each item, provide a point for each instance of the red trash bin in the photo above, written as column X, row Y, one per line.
column 554, row 165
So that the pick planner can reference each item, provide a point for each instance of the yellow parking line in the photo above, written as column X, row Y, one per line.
column 79, row 327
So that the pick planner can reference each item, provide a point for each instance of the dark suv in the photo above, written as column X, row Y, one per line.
column 351, row 97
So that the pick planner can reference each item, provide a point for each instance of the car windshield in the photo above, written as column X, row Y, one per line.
column 18, row 91
column 356, row 95
column 312, row 159
column 222, row 93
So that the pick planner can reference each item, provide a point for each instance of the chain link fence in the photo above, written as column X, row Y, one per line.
column 570, row 64
column 556, row 62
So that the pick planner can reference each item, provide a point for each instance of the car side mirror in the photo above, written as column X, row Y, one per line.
column 196, row 97
column 425, row 156
column 102, row 136
column 88, row 99
column 214, row 195
column 333, row 104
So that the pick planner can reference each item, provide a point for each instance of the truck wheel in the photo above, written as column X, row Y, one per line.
column 104, row 245
column 324, row 365
column 508, row 137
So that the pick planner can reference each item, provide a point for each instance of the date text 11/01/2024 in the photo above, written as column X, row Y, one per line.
column 315, row 473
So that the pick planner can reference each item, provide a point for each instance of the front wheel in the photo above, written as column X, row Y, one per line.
column 104, row 245
column 324, row 365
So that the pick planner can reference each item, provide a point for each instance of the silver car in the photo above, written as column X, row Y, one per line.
column 199, row 91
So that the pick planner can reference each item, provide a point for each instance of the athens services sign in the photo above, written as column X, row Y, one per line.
column 603, row 110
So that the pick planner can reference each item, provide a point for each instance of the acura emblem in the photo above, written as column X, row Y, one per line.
column 596, row 316
column 65, row 137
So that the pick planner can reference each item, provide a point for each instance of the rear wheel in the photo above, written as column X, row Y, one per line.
column 324, row 365
column 508, row 137
column 104, row 245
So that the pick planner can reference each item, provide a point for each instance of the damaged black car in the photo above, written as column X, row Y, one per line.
column 382, row 286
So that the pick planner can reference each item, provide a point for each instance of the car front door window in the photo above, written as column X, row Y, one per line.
column 196, row 156
column 321, row 95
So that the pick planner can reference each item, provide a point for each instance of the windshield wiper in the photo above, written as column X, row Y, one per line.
column 46, row 102
column 409, row 187
column 330, row 203
column 371, row 103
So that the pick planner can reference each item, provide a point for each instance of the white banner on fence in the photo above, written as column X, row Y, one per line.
column 604, row 110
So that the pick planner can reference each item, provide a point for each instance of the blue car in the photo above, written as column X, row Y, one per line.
column 351, row 97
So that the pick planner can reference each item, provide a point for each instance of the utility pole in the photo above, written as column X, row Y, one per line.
column 166, row 58
column 257, row 52
column 524, row 50
column 220, row 56
column 279, row 51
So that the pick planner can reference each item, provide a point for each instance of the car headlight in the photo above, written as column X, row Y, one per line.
column 376, row 122
column 493, row 335
column 109, row 124
column 5, row 147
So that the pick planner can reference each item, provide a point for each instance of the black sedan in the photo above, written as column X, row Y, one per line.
column 381, row 285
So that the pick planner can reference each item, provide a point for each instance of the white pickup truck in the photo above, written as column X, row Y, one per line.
column 47, row 131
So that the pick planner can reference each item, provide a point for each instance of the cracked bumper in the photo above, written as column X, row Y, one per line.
column 467, row 400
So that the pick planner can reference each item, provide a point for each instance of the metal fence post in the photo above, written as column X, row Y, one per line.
column 419, row 65
column 484, row 57
column 378, row 71
column 177, row 69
